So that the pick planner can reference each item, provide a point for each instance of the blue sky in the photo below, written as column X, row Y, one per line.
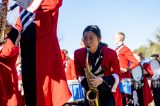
column 138, row 19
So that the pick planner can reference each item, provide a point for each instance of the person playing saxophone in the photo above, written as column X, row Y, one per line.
column 102, row 67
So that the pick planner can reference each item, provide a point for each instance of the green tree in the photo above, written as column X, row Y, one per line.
column 158, row 34
column 141, row 49
column 153, row 47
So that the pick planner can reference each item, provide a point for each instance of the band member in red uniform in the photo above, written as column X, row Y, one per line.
column 8, row 74
column 127, row 62
column 68, row 65
column 104, row 65
column 43, row 74
column 145, row 97
column 155, row 83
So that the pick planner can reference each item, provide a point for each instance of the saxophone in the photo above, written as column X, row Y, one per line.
column 92, row 93
column 3, row 17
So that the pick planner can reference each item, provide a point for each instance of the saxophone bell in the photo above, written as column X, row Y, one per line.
column 92, row 94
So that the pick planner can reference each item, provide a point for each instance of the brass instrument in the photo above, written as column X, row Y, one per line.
column 3, row 17
column 92, row 93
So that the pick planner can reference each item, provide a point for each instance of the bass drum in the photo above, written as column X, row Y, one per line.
column 155, row 66
column 137, row 73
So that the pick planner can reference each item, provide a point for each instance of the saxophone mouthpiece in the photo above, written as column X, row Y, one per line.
column 88, row 49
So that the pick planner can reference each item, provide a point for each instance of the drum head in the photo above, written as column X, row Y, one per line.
column 137, row 73
column 155, row 66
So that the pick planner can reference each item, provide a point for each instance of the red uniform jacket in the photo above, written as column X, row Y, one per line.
column 147, row 92
column 3, row 97
column 8, row 74
column 52, row 88
column 126, row 60
column 68, row 66
column 109, row 62
column 70, row 70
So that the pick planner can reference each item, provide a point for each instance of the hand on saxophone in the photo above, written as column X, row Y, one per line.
column 96, row 81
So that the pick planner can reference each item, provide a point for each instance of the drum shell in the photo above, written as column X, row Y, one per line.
column 155, row 83
column 76, row 90
column 155, row 66
column 137, row 73
column 125, row 86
